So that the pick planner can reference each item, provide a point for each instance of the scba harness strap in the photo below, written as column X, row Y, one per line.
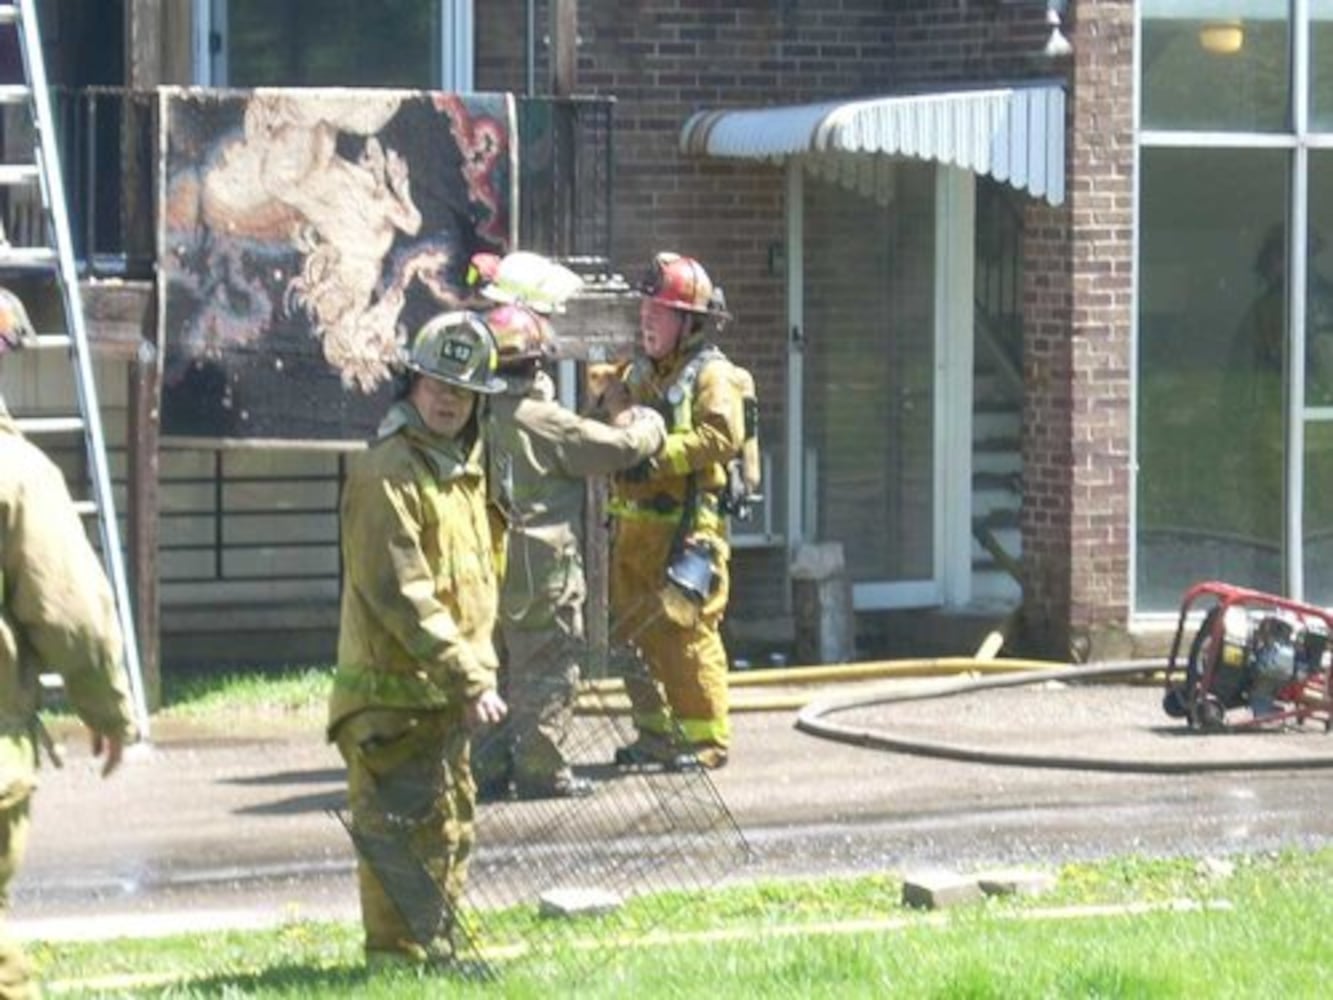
column 679, row 395
column 742, row 492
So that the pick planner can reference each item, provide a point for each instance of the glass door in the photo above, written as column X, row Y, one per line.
column 869, row 383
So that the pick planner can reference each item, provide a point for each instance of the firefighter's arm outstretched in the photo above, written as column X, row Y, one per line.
column 586, row 447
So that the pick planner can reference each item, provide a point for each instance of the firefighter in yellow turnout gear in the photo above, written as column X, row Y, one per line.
column 670, row 552
column 416, row 667
column 56, row 613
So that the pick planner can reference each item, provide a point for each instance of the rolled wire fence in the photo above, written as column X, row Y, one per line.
column 569, row 884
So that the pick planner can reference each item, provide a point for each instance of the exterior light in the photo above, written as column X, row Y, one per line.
column 1057, row 44
column 1222, row 38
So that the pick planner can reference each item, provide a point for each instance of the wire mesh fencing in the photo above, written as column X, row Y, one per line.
column 572, row 881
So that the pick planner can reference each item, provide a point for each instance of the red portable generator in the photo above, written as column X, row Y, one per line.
column 1265, row 657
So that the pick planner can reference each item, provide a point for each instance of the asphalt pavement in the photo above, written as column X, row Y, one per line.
column 227, row 823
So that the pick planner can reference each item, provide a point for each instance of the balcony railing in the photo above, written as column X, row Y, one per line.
column 109, row 143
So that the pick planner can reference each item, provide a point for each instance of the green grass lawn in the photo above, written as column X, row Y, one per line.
column 297, row 690
column 1122, row 928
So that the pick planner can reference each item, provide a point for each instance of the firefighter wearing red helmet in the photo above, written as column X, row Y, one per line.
column 539, row 456
column 669, row 564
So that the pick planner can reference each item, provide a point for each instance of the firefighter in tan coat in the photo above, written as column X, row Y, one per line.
column 670, row 551
column 539, row 455
column 56, row 613
column 416, row 667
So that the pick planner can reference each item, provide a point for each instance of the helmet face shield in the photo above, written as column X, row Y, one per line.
column 457, row 347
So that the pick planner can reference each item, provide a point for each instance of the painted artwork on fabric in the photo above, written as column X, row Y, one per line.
column 306, row 234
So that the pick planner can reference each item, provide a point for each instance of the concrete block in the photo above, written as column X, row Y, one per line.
column 1015, row 882
column 936, row 890
column 822, row 605
column 578, row 902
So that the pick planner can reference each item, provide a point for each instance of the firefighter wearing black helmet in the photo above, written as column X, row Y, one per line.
column 416, row 667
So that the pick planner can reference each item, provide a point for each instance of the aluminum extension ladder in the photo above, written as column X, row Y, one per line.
column 55, row 260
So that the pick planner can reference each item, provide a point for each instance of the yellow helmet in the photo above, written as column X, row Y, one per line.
column 457, row 347
column 529, row 279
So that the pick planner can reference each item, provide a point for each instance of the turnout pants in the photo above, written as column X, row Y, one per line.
column 16, row 979
column 411, row 796
column 689, row 663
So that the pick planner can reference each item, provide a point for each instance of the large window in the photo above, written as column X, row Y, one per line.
column 422, row 44
column 1235, row 324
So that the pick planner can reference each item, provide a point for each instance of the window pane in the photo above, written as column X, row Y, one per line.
column 1319, row 283
column 1211, row 362
column 1318, row 500
column 1317, row 550
column 389, row 43
column 1216, row 65
column 1321, row 65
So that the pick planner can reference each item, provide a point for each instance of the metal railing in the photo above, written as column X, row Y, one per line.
column 565, row 178
column 999, row 277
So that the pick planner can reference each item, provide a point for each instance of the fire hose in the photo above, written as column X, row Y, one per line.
column 813, row 720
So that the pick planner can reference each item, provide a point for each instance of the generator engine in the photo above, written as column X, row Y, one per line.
column 1262, row 653
column 1283, row 651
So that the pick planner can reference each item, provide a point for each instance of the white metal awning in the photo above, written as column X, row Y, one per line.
column 1014, row 134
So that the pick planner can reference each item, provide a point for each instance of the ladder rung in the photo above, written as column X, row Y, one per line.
column 85, row 508
column 52, row 341
column 9, row 14
column 27, row 257
column 14, row 174
column 49, row 425
column 14, row 93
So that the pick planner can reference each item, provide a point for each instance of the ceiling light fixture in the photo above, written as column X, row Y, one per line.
column 1222, row 38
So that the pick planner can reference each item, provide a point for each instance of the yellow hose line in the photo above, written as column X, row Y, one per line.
column 608, row 694
column 876, row 669
column 871, row 670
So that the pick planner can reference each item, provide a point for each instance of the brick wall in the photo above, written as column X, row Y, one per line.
column 664, row 59
column 1077, row 423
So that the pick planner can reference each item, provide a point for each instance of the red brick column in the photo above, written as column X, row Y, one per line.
column 1079, row 320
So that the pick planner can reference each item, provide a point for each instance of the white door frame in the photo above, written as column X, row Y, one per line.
column 955, row 223
column 457, row 71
